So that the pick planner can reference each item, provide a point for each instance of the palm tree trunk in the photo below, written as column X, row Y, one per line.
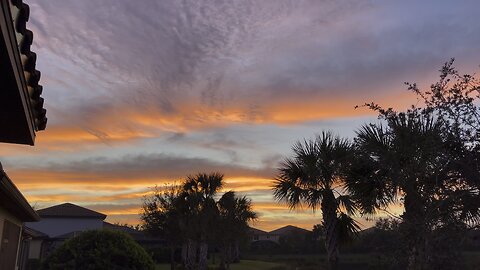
column 172, row 257
column 415, row 232
column 229, row 255
column 223, row 255
column 329, row 211
column 189, row 255
column 184, row 254
column 202, row 255
column 235, row 252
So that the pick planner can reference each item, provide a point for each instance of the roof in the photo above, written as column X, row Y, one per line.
column 13, row 201
column 34, row 234
column 257, row 231
column 66, row 236
column 289, row 229
column 69, row 210
column 107, row 225
column 21, row 104
column 139, row 236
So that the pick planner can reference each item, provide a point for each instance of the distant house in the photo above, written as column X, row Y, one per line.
column 277, row 234
column 66, row 218
column 257, row 235
column 61, row 222
column 290, row 231
column 289, row 238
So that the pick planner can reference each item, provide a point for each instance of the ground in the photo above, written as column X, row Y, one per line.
column 244, row 265
column 310, row 262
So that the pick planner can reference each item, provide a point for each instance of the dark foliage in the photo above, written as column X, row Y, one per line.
column 427, row 158
column 190, row 218
column 101, row 249
column 232, row 226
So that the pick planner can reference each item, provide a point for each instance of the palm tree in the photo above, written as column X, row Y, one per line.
column 412, row 160
column 235, row 213
column 201, row 214
column 314, row 177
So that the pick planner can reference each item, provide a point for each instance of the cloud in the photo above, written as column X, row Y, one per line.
column 129, row 169
column 176, row 65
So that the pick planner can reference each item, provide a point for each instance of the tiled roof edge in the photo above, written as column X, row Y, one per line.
column 29, row 58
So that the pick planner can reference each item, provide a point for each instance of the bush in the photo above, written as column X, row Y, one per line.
column 162, row 254
column 33, row 264
column 102, row 249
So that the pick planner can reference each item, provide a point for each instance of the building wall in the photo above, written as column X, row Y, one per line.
column 5, row 215
column 35, row 249
column 58, row 226
column 266, row 237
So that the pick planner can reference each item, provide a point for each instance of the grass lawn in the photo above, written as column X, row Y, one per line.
column 243, row 265
column 247, row 265
column 310, row 262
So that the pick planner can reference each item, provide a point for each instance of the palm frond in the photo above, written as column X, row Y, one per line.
column 288, row 191
column 347, row 203
column 348, row 228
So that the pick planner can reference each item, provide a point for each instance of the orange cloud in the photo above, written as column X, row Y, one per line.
column 123, row 124
column 121, row 198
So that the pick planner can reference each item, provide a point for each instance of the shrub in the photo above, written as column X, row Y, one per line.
column 33, row 264
column 101, row 249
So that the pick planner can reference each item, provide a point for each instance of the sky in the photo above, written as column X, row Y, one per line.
column 143, row 93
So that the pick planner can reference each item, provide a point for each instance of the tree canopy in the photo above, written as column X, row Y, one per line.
column 189, row 216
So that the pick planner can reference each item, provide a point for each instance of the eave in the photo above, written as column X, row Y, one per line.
column 13, row 201
column 21, row 107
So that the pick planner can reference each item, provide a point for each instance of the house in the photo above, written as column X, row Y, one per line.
column 290, row 237
column 21, row 116
column 59, row 223
column 14, row 211
column 66, row 218
column 257, row 235
column 64, row 221
column 276, row 235
column 290, row 231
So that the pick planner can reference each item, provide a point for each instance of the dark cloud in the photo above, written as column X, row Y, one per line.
column 272, row 161
column 153, row 166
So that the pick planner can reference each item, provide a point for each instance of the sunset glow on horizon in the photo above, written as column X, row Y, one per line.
column 143, row 93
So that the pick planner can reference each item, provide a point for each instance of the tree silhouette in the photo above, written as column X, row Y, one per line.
column 161, row 215
column 314, row 177
column 427, row 158
column 200, row 215
column 235, row 213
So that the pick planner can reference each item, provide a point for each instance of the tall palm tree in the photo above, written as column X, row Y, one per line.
column 200, row 216
column 412, row 160
column 314, row 177
column 235, row 214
